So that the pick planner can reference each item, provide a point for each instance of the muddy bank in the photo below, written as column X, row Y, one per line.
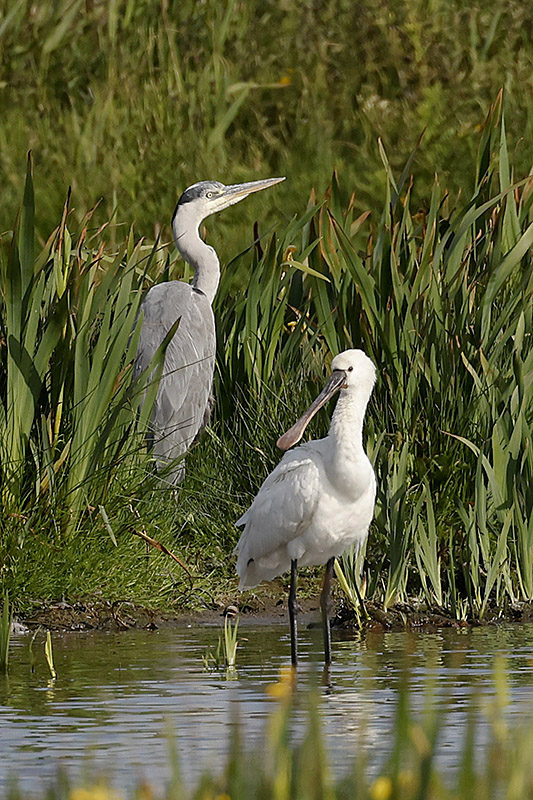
column 416, row 615
column 116, row 616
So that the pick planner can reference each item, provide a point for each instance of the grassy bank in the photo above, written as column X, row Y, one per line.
column 441, row 301
column 285, row 768
column 133, row 101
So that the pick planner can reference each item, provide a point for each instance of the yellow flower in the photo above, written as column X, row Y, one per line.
column 282, row 690
column 381, row 789
column 285, row 80
column 407, row 780
column 94, row 793
column 289, row 252
column 420, row 740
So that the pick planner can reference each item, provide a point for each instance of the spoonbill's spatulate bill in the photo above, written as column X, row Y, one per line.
column 182, row 406
column 320, row 498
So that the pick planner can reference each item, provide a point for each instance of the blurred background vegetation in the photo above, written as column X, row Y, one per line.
column 133, row 100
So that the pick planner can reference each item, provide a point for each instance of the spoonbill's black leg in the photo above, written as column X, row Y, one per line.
column 325, row 608
column 293, row 610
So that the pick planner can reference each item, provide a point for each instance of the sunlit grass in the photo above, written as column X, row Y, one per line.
column 49, row 655
column 225, row 653
column 230, row 641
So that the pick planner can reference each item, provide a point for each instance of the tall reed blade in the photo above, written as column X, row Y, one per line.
column 5, row 632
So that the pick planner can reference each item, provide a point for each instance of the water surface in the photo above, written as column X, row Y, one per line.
column 117, row 695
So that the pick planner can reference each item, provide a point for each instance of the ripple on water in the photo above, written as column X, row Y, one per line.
column 117, row 696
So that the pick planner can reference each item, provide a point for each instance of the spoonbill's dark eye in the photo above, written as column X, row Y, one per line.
column 209, row 194
column 350, row 369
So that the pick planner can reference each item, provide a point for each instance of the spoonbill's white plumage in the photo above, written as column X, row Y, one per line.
column 320, row 498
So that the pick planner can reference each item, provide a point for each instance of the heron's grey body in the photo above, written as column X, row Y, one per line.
column 182, row 404
column 182, row 400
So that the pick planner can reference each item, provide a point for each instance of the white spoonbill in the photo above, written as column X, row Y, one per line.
column 182, row 406
column 320, row 498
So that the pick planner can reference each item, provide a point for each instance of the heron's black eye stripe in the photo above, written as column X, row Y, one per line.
column 350, row 369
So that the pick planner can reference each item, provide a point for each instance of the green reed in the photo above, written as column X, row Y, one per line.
column 230, row 641
column 225, row 653
column 442, row 302
column 5, row 632
column 72, row 431
column 440, row 299
column 69, row 400
column 49, row 655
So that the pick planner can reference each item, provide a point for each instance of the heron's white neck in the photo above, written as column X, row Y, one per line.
column 202, row 258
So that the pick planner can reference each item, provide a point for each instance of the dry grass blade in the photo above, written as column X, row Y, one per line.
column 163, row 549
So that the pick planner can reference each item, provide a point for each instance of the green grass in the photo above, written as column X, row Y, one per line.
column 297, row 768
column 132, row 101
column 5, row 632
column 441, row 300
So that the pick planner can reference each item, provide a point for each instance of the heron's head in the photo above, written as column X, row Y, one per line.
column 351, row 371
column 208, row 197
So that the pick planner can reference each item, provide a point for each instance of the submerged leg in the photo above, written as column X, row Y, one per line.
column 293, row 610
column 325, row 608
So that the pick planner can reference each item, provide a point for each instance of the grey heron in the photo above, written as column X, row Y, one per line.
column 182, row 404
column 319, row 499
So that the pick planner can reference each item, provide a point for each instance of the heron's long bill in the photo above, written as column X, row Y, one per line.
column 232, row 194
column 293, row 435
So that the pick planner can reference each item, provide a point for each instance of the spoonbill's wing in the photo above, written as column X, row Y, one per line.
column 279, row 514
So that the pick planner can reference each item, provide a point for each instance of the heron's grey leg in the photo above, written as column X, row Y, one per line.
column 293, row 610
column 325, row 608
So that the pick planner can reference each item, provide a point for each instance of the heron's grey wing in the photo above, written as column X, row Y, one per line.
column 162, row 306
column 187, row 376
column 207, row 416
column 279, row 514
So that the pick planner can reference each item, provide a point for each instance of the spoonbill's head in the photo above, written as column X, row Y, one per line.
column 359, row 371
column 208, row 197
column 351, row 371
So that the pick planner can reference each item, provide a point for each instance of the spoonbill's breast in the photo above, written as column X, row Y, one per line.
column 299, row 513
